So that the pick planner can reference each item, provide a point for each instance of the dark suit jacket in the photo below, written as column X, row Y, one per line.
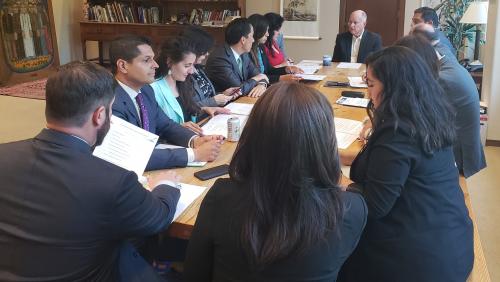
column 418, row 227
column 215, row 254
column 223, row 71
column 272, row 73
column 199, row 96
column 461, row 91
column 159, row 124
column 66, row 214
column 370, row 42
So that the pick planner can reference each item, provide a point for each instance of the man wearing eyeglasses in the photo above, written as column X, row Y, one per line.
column 355, row 45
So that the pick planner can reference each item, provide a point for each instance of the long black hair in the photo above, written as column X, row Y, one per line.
column 260, row 27
column 174, row 50
column 411, row 94
column 293, row 202
column 275, row 23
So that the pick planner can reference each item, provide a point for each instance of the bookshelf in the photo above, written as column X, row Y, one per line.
column 157, row 19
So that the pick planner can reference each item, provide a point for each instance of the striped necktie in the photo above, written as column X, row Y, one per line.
column 143, row 111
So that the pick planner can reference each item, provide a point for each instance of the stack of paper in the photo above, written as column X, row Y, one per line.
column 218, row 124
column 189, row 193
column 309, row 66
column 349, row 65
column 357, row 82
column 347, row 131
column 312, row 77
column 127, row 146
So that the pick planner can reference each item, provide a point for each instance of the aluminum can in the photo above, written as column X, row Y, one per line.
column 233, row 129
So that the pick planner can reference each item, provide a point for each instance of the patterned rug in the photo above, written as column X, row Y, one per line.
column 32, row 90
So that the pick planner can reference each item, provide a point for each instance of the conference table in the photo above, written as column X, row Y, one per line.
column 183, row 225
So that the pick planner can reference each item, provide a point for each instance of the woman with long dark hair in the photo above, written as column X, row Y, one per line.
column 461, row 92
column 273, row 52
column 259, row 58
column 418, row 225
column 173, row 88
column 281, row 215
column 204, row 92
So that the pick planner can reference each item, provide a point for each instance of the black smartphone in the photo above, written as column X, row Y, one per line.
column 352, row 94
column 212, row 172
column 336, row 84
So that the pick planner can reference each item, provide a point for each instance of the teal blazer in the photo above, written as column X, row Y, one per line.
column 166, row 100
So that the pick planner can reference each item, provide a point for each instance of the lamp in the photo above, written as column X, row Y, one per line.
column 476, row 13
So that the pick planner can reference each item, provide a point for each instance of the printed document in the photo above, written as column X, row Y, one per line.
column 239, row 108
column 347, row 131
column 357, row 82
column 189, row 193
column 355, row 102
column 349, row 65
column 127, row 146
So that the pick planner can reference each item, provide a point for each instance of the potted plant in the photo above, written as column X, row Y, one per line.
column 450, row 13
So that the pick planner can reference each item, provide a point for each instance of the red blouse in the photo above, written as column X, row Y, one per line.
column 278, row 57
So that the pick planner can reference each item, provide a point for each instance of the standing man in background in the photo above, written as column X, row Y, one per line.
column 355, row 45
column 429, row 16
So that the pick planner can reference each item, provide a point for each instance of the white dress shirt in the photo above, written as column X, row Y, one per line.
column 356, row 41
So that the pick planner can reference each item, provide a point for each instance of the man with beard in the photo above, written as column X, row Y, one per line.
column 66, row 215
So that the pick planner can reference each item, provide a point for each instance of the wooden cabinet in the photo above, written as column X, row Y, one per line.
column 28, row 41
column 167, row 10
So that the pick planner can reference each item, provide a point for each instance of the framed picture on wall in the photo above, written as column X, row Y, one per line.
column 301, row 19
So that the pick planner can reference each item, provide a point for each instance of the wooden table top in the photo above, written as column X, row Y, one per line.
column 183, row 225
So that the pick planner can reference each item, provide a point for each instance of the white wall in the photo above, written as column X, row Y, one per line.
column 491, row 86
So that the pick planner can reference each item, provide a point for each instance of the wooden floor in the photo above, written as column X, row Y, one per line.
column 24, row 118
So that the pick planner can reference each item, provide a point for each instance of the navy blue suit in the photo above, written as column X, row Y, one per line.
column 66, row 215
column 159, row 124
column 370, row 42
column 223, row 71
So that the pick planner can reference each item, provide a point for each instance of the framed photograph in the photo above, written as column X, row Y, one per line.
column 301, row 19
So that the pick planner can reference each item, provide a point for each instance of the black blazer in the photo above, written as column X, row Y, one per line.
column 370, row 42
column 214, row 252
column 418, row 227
column 66, row 214
column 159, row 124
column 222, row 69
column 272, row 73
column 198, row 95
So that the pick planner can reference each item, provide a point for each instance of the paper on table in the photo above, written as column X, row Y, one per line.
column 344, row 140
column 239, row 108
column 309, row 69
column 312, row 77
column 217, row 125
column 189, row 193
column 127, row 146
column 355, row 102
column 311, row 62
column 357, row 81
column 349, row 65
column 170, row 146
column 347, row 131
